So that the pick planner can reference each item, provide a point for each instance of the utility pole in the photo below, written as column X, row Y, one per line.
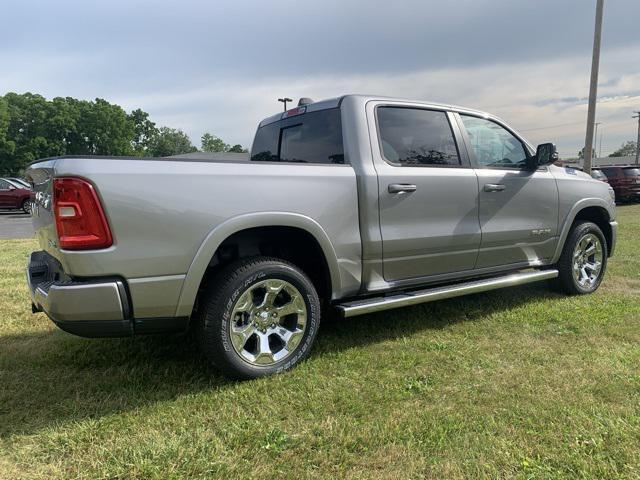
column 593, row 89
column 285, row 100
column 638, row 141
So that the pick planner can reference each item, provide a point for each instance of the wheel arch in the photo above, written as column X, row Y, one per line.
column 594, row 210
column 248, row 224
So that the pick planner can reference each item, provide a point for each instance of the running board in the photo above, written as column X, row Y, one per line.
column 405, row 299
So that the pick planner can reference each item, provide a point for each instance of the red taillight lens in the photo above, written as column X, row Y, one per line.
column 80, row 220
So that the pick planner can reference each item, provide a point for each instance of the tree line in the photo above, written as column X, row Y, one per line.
column 32, row 127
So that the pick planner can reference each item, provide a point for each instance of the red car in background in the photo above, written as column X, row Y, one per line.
column 14, row 196
column 598, row 175
column 625, row 181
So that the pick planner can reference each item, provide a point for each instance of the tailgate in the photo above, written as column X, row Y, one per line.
column 40, row 175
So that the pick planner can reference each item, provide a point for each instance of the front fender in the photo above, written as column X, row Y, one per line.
column 571, row 216
column 223, row 231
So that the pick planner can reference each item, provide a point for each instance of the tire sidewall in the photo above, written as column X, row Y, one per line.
column 219, row 330
column 580, row 231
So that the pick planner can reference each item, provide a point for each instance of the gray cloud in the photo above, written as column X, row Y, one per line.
column 218, row 66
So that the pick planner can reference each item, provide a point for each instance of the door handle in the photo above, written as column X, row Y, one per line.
column 494, row 187
column 401, row 188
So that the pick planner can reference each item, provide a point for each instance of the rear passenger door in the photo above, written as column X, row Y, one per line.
column 428, row 194
column 518, row 206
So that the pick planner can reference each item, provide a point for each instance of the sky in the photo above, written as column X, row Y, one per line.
column 219, row 66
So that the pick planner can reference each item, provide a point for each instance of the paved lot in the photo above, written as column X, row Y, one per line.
column 15, row 225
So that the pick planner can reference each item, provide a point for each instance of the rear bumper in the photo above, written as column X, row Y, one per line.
column 89, row 308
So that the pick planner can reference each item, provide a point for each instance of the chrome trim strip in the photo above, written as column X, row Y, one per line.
column 362, row 307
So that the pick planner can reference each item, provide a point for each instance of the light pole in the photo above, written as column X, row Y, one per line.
column 593, row 89
column 285, row 100
column 595, row 139
column 637, row 141
column 600, row 149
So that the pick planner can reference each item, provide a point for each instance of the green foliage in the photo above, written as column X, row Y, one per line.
column 237, row 148
column 211, row 143
column 7, row 146
column 32, row 127
column 145, row 132
column 625, row 150
column 170, row 141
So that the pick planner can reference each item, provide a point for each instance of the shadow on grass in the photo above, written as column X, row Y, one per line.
column 52, row 377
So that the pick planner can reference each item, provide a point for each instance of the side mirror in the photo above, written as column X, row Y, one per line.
column 546, row 154
column 11, row 187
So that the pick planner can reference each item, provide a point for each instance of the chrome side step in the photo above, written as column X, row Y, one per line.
column 405, row 299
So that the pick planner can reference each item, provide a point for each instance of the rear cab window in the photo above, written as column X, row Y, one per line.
column 313, row 137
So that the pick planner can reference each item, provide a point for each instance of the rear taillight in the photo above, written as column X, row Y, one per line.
column 80, row 220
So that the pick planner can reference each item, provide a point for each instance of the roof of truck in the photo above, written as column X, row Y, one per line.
column 337, row 101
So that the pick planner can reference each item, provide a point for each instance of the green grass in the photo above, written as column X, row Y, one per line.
column 518, row 383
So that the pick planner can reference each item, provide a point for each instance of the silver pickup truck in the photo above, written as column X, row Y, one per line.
column 351, row 205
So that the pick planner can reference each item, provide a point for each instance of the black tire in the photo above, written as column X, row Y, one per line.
column 566, row 282
column 217, row 302
column 26, row 206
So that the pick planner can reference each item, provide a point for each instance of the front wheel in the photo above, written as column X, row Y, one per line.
column 257, row 317
column 584, row 259
column 26, row 206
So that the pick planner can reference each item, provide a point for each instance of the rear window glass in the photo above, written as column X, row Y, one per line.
column 314, row 137
column 631, row 172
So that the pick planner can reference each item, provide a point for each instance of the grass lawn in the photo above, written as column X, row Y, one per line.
column 520, row 383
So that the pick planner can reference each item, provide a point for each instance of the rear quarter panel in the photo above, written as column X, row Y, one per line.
column 160, row 213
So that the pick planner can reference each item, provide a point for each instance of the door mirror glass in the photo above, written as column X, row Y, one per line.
column 546, row 154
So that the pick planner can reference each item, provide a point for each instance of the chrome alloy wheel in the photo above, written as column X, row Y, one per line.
column 267, row 322
column 587, row 260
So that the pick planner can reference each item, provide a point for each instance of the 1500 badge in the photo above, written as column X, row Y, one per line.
column 540, row 231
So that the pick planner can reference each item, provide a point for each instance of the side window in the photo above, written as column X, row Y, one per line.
column 412, row 136
column 493, row 145
column 4, row 185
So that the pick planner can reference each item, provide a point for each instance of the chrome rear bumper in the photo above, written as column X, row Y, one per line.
column 90, row 308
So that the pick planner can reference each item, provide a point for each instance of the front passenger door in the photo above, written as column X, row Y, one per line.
column 518, row 206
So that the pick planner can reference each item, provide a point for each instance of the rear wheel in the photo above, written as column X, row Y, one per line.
column 257, row 317
column 584, row 259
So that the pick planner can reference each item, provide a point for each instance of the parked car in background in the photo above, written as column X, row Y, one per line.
column 19, row 182
column 598, row 175
column 358, row 204
column 625, row 181
column 14, row 196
